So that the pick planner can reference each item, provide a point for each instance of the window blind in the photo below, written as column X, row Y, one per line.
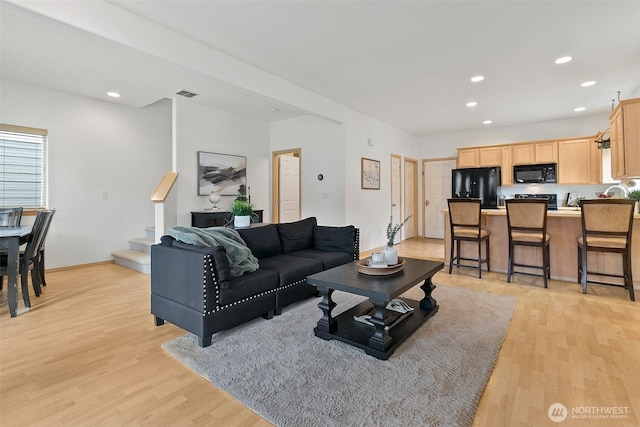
column 23, row 167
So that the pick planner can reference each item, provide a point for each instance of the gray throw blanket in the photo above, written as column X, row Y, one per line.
column 240, row 257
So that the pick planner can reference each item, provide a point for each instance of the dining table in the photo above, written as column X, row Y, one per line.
column 10, row 239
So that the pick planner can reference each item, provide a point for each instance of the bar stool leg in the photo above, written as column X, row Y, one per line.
column 488, row 253
column 583, row 258
column 510, row 266
column 479, row 259
column 628, row 277
column 453, row 243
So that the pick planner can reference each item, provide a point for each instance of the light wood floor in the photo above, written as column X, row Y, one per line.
column 88, row 353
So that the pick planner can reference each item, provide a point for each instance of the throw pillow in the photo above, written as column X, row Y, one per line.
column 298, row 235
column 334, row 239
column 263, row 241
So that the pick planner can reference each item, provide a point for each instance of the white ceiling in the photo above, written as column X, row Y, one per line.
column 407, row 64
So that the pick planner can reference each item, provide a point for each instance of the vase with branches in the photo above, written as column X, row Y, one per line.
column 390, row 254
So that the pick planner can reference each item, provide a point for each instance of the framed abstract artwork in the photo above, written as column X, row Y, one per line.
column 221, row 173
column 370, row 174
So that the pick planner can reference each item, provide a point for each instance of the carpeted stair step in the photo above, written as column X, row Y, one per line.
column 134, row 260
column 141, row 244
column 150, row 232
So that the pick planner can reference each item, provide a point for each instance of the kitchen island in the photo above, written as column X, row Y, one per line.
column 564, row 226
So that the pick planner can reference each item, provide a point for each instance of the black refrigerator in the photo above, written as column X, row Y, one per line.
column 477, row 183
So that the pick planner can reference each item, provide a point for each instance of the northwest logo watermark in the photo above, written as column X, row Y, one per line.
column 557, row 412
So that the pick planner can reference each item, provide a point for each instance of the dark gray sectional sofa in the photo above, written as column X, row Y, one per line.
column 192, row 287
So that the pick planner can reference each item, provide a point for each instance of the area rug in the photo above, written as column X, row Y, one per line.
column 279, row 369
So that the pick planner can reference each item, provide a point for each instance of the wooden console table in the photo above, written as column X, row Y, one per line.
column 217, row 218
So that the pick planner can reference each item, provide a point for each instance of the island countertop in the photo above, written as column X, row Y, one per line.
column 564, row 226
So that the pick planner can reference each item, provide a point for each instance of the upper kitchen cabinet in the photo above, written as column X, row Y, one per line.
column 579, row 161
column 625, row 139
column 479, row 157
column 535, row 152
column 468, row 158
column 498, row 155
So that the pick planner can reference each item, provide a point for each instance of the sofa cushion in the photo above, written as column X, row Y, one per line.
column 296, row 235
column 290, row 268
column 248, row 285
column 263, row 241
column 329, row 259
column 220, row 259
column 332, row 239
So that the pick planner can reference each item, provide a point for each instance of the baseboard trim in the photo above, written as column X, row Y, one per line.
column 73, row 267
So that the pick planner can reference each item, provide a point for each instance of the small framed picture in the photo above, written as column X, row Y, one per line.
column 572, row 199
column 370, row 172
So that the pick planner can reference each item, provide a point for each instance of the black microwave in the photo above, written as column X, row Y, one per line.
column 538, row 174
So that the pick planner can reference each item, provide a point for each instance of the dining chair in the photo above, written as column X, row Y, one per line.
column 38, row 260
column 10, row 217
column 606, row 227
column 28, row 256
column 527, row 226
column 465, row 221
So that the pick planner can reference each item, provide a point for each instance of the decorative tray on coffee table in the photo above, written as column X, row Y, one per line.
column 364, row 268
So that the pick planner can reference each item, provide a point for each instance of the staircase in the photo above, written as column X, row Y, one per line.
column 138, row 256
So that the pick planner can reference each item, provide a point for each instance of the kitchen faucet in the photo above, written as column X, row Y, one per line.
column 624, row 190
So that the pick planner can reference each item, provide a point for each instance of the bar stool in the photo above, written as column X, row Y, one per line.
column 527, row 226
column 606, row 227
column 465, row 226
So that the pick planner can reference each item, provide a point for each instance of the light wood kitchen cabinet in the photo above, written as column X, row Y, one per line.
column 478, row 157
column 506, row 165
column 535, row 152
column 579, row 161
column 489, row 156
column 625, row 139
column 523, row 154
column 468, row 158
column 499, row 155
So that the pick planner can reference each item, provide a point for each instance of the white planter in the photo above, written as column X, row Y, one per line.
column 241, row 221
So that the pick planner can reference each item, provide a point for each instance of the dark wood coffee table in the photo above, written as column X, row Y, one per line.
column 389, row 330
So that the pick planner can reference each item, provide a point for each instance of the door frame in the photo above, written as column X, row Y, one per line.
column 275, row 181
column 416, row 201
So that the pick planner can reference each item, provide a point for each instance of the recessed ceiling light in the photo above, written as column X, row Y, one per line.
column 477, row 79
column 113, row 94
column 487, row 122
column 472, row 104
column 563, row 60
column 579, row 109
column 589, row 83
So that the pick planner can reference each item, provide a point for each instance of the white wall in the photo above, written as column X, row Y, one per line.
column 321, row 143
column 445, row 145
column 94, row 146
column 199, row 128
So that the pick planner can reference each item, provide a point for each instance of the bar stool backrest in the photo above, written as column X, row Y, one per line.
column 464, row 212
column 612, row 217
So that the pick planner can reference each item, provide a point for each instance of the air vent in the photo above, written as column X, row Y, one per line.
column 186, row 94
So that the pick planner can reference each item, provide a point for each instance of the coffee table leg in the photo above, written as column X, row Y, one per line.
column 380, row 339
column 428, row 302
column 327, row 323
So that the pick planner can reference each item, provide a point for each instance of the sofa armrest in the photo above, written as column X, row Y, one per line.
column 186, row 277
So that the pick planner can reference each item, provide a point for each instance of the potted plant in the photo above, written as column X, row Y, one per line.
column 242, row 211
column 635, row 195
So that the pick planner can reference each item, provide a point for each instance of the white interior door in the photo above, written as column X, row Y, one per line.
column 410, row 195
column 396, row 197
column 437, row 189
column 289, row 188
